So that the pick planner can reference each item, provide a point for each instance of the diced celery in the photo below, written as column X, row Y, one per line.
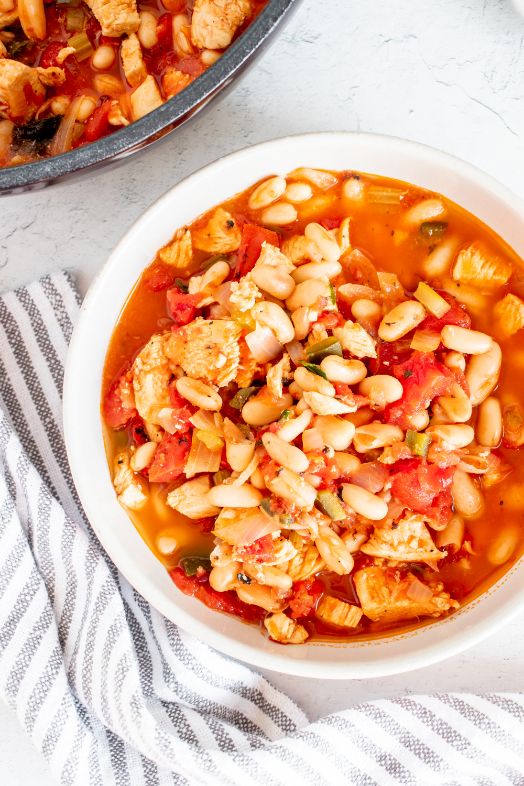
column 418, row 443
column 81, row 43
column 75, row 19
column 330, row 504
column 241, row 396
column 425, row 341
column 431, row 300
column 332, row 294
column 314, row 369
column 190, row 565
column 320, row 350
column 379, row 195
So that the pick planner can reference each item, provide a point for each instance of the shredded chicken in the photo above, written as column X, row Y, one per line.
column 407, row 541
column 219, row 235
column 477, row 266
column 215, row 22
column 116, row 17
column 206, row 349
column 151, row 376
column 21, row 91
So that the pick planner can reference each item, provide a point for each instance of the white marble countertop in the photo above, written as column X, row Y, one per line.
column 447, row 73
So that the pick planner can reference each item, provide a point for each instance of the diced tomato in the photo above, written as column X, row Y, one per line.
column 137, row 431
column 371, row 475
column 331, row 319
column 260, row 550
column 228, row 602
column 49, row 55
column 97, row 125
column 118, row 407
column 181, row 306
column 330, row 223
column 191, row 65
column 183, row 408
column 205, row 525
column 324, row 468
column 305, row 597
column 457, row 315
column 423, row 378
column 344, row 393
column 160, row 277
column 389, row 354
column 164, row 31
column 423, row 487
column 252, row 238
column 170, row 458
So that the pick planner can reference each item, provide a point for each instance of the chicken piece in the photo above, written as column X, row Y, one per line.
column 337, row 612
column 116, row 17
column 243, row 296
column 276, row 375
column 407, row 541
column 285, row 630
column 509, row 313
column 52, row 76
column 356, row 340
column 247, row 366
column 307, row 560
column 151, row 377
column 282, row 551
column 215, row 22
column 476, row 265
column 206, row 349
column 21, row 91
column 179, row 252
column 391, row 288
column 129, row 487
column 513, row 420
column 190, row 499
column 3, row 50
column 132, row 61
column 219, row 235
column 174, row 81
column 298, row 249
column 385, row 596
column 271, row 256
column 145, row 98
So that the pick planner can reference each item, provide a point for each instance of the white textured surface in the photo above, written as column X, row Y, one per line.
column 448, row 74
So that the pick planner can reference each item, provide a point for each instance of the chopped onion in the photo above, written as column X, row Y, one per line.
column 245, row 526
column 248, row 471
column 222, row 294
column 263, row 344
column 64, row 136
column 370, row 476
column 296, row 352
column 201, row 458
column 425, row 341
column 418, row 591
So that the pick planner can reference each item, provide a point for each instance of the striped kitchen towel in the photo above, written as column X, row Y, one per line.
column 113, row 693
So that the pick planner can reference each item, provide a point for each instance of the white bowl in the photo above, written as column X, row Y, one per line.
column 403, row 160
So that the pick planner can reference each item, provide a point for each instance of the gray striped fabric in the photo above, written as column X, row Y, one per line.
column 112, row 693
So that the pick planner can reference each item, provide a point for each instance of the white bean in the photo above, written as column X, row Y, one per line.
column 452, row 534
column 143, row 456
column 452, row 437
column 210, row 56
column 273, row 316
column 276, row 282
column 334, row 551
column 319, row 177
column 365, row 310
column 279, row 214
column 285, row 454
column 313, row 382
column 264, row 410
column 227, row 496
column 33, row 19
column 467, row 497
column 199, row 394
column 469, row 342
column 381, row 389
column 226, row 577
column 259, row 595
column 85, row 108
column 482, row 374
column 439, row 260
column 288, row 485
column 364, row 502
column 336, row 432
column 504, row 545
column 401, row 320
column 267, row 192
column 427, row 210
column 324, row 241
column 299, row 192
column 292, row 429
column 376, row 435
column 489, row 423
column 147, row 30
column 338, row 369
column 302, row 318
column 308, row 293
column 346, row 463
column 457, row 407
column 326, row 270
column 455, row 361
column 103, row 58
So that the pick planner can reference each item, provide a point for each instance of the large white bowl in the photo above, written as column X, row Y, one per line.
column 382, row 155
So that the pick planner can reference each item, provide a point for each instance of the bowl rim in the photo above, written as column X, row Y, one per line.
column 426, row 654
column 131, row 138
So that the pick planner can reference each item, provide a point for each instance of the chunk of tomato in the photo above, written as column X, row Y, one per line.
column 457, row 315
column 183, row 409
column 250, row 245
column 170, row 458
column 423, row 488
column 182, row 307
column 423, row 378
column 118, row 406
column 228, row 602
column 137, row 431
column 306, row 594
column 97, row 125
column 260, row 550
column 159, row 277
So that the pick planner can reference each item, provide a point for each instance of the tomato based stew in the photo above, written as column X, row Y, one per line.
column 73, row 71
column 312, row 409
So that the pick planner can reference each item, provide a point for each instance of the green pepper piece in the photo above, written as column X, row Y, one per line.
column 285, row 415
column 241, row 396
column 314, row 369
column 330, row 504
column 190, row 565
column 418, row 443
column 181, row 284
column 433, row 230
column 320, row 350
